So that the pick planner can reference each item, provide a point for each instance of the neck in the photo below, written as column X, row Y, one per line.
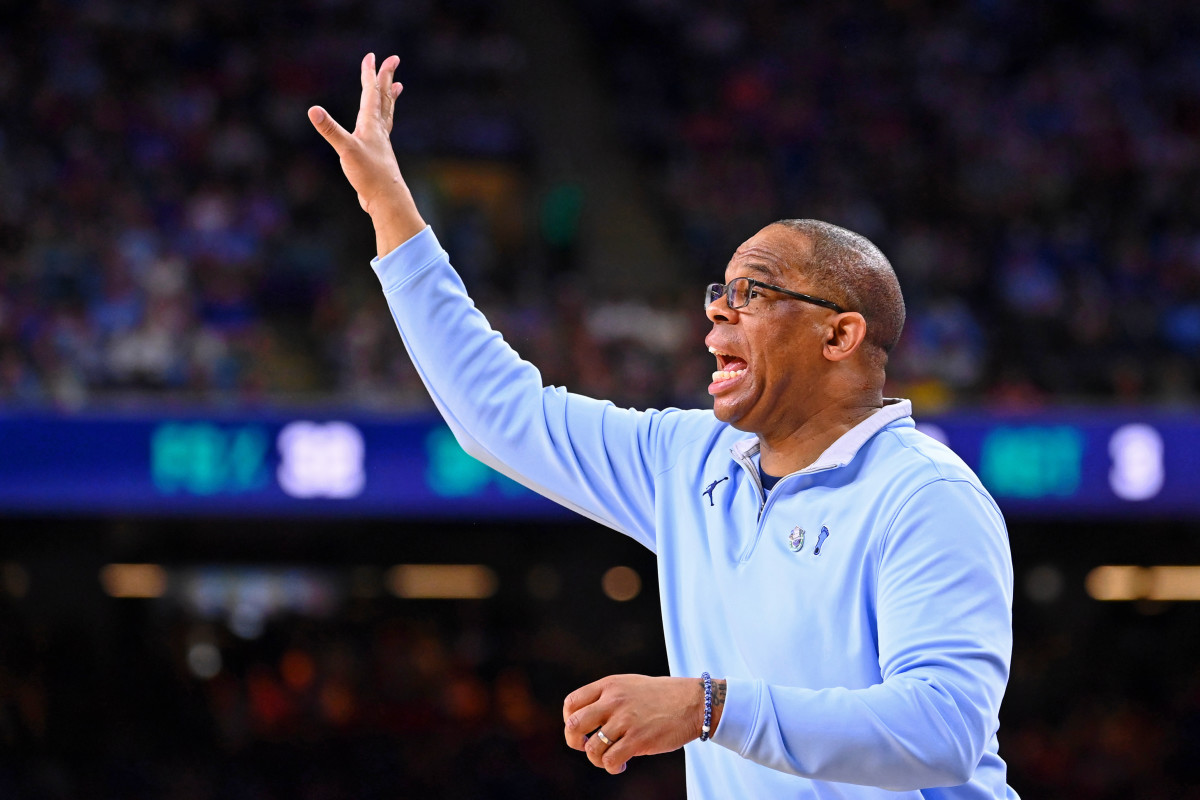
column 802, row 445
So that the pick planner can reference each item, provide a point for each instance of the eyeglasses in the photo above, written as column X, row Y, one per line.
column 739, row 291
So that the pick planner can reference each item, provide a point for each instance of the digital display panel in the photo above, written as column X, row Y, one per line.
column 251, row 466
column 1064, row 464
column 1055, row 464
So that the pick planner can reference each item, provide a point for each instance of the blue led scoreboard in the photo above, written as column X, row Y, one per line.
column 1051, row 464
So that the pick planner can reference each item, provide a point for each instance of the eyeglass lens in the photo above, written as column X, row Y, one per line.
column 736, row 293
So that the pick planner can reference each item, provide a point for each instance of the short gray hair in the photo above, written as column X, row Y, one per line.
column 857, row 275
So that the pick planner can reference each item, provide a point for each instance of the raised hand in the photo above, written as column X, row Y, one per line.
column 639, row 715
column 368, row 159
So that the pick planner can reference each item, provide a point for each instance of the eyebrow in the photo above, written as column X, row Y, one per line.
column 763, row 270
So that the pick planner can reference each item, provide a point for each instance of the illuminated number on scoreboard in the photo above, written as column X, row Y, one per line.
column 321, row 460
column 1137, row 462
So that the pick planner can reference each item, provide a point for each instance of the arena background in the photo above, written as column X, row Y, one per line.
column 223, row 488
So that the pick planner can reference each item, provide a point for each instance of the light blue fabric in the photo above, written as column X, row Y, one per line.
column 877, row 664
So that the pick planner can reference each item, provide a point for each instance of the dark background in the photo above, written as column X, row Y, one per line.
column 461, row 698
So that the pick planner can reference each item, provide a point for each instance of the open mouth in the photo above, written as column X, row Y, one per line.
column 728, row 366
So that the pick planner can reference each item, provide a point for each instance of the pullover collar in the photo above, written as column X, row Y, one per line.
column 842, row 451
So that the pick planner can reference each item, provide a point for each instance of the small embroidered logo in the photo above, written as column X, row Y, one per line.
column 796, row 539
column 821, row 540
column 709, row 490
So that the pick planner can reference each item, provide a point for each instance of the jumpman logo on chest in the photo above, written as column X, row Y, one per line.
column 708, row 490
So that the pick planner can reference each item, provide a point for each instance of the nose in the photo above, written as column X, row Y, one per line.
column 719, row 311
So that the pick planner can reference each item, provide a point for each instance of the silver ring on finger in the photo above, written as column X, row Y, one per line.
column 600, row 735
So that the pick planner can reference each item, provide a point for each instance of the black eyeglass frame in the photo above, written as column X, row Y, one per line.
column 715, row 290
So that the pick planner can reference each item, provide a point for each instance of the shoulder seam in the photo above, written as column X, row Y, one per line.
column 887, row 531
column 680, row 448
column 888, row 430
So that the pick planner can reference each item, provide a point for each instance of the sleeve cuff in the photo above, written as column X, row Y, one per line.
column 740, row 715
column 395, row 268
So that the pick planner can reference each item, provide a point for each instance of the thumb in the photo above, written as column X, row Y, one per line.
column 326, row 126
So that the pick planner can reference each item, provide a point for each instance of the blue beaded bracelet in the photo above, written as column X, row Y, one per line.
column 707, row 727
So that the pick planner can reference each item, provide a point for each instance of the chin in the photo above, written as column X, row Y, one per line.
column 730, row 415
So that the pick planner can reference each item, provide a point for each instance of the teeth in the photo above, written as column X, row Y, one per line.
column 724, row 375
column 716, row 352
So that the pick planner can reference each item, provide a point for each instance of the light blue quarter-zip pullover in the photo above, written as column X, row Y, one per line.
column 860, row 611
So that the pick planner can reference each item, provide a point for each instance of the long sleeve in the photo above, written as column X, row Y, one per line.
column 588, row 455
column 942, row 603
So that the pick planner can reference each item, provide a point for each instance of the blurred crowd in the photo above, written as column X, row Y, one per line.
column 173, row 231
column 1030, row 168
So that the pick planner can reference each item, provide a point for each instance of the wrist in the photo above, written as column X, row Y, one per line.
column 395, row 223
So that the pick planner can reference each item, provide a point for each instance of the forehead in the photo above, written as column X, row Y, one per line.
column 772, row 253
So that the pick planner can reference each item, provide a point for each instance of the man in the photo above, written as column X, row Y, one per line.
column 836, row 587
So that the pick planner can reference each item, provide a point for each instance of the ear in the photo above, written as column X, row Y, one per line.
column 846, row 335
